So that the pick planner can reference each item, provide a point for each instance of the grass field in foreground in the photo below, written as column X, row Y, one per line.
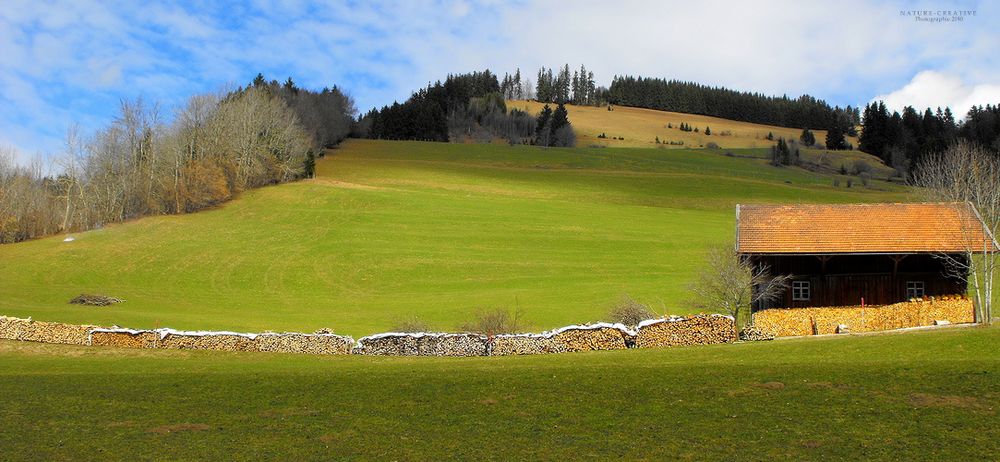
column 391, row 230
column 913, row 396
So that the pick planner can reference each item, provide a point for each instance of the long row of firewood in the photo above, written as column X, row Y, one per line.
column 696, row 330
column 835, row 319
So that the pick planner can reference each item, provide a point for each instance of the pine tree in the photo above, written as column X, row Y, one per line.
column 543, row 127
column 309, row 165
column 807, row 138
column 708, row 131
column 835, row 134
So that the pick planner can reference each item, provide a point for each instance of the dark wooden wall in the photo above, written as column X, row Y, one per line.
column 843, row 280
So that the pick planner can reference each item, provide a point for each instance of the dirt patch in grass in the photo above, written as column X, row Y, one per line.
column 770, row 385
column 829, row 386
column 121, row 424
column 811, row 444
column 345, row 184
column 337, row 437
column 288, row 412
column 176, row 428
column 926, row 400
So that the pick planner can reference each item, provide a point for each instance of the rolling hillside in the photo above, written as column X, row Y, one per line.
column 393, row 230
column 641, row 127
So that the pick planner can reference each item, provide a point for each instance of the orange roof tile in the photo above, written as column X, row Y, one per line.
column 860, row 228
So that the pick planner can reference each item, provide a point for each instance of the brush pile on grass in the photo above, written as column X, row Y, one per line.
column 95, row 300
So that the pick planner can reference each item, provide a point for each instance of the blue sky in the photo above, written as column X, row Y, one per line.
column 70, row 62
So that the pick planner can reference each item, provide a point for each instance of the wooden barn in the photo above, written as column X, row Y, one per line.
column 876, row 254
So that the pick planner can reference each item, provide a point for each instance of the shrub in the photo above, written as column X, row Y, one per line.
column 860, row 166
column 866, row 179
column 712, row 145
column 630, row 312
column 492, row 321
column 412, row 324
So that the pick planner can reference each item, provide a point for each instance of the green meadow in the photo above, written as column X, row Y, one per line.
column 389, row 231
column 908, row 396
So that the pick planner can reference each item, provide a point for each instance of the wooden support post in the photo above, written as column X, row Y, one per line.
column 823, row 259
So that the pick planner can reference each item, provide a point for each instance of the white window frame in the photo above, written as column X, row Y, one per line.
column 913, row 287
column 801, row 291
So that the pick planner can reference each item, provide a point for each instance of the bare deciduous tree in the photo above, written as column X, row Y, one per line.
column 966, row 173
column 732, row 284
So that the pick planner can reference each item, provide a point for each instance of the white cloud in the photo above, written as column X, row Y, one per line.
column 935, row 89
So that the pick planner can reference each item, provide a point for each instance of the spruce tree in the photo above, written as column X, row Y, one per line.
column 835, row 135
column 807, row 138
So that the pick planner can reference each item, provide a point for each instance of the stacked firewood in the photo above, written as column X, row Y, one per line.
column 317, row 344
column 422, row 344
column 45, row 332
column 220, row 341
column 601, row 336
column 124, row 338
column 694, row 330
column 826, row 320
column 755, row 334
column 525, row 344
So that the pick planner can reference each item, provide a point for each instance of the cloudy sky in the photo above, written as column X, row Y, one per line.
column 70, row 62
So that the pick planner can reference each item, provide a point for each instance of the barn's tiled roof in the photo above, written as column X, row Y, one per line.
column 859, row 228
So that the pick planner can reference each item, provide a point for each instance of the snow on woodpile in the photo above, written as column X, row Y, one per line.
column 591, row 337
column 206, row 340
column 525, row 344
column 693, row 330
column 45, row 332
column 317, row 344
column 124, row 338
column 422, row 344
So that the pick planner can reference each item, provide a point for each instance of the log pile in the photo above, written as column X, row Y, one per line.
column 755, row 334
column 422, row 344
column 124, row 338
column 784, row 322
column 600, row 336
column 525, row 344
column 695, row 330
column 45, row 332
column 316, row 344
column 220, row 341
column 95, row 300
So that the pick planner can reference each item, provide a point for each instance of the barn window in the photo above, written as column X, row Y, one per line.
column 800, row 290
column 914, row 289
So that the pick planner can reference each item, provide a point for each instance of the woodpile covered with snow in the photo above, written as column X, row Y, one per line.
column 422, row 344
column 677, row 331
column 45, row 332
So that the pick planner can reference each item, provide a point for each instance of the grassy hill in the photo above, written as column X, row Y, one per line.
column 640, row 128
column 393, row 230
column 913, row 396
